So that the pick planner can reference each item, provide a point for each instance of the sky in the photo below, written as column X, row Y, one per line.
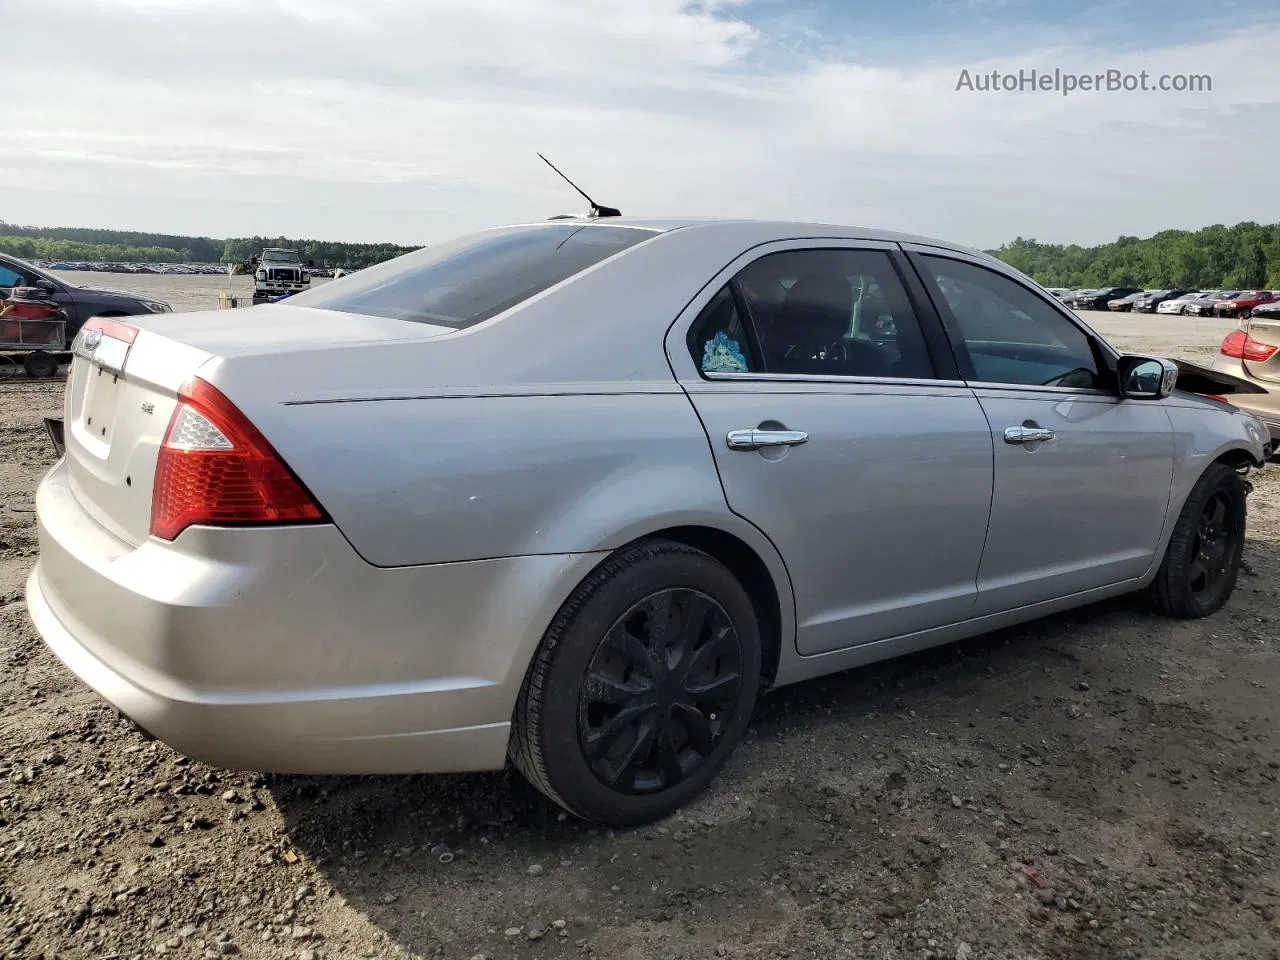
column 412, row 121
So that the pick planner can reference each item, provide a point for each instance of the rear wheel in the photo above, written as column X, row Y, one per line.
column 643, row 686
column 1202, row 561
column 40, row 365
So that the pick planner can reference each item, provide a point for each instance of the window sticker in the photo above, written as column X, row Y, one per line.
column 722, row 355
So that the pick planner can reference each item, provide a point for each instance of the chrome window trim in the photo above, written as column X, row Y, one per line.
column 903, row 382
column 837, row 380
column 1030, row 388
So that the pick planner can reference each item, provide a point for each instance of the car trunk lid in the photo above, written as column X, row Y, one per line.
column 123, row 386
column 121, row 391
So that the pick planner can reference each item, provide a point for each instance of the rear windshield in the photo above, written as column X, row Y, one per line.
column 470, row 279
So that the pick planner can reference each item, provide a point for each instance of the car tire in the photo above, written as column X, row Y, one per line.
column 40, row 365
column 1202, row 561
column 615, row 735
column 1246, row 314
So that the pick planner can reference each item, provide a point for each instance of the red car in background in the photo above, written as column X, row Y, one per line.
column 1242, row 304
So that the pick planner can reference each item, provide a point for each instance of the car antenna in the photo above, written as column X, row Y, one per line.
column 596, row 209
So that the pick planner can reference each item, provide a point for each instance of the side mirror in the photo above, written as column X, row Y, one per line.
column 311, row 263
column 48, row 286
column 1146, row 378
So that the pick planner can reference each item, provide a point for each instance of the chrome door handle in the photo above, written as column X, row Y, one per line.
column 1027, row 434
column 756, row 439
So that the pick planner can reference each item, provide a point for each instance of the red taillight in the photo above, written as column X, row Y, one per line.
column 112, row 328
column 1240, row 346
column 216, row 468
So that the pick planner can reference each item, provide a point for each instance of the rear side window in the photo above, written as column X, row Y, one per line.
column 827, row 313
column 470, row 279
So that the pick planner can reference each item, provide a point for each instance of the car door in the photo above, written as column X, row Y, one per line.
column 1082, row 477
column 14, row 273
column 840, row 430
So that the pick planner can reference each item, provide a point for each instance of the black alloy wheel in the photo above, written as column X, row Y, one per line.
column 1202, row 562
column 642, row 687
column 1212, row 549
column 660, row 689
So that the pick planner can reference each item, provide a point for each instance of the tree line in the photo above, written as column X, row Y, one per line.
column 75, row 251
column 349, row 256
column 1245, row 256
column 78, row 244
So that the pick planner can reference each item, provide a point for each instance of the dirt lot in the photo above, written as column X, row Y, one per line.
column 1098, row 785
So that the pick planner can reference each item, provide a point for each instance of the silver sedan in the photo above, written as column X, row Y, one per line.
column 572, row 494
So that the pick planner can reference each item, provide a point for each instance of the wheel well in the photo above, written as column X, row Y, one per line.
column 1237, row 459
column 745, row 564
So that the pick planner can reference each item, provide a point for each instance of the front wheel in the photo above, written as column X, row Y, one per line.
column 643, row 686
column 1202, row 561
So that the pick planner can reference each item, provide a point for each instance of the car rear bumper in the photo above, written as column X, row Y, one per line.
column 279, row 649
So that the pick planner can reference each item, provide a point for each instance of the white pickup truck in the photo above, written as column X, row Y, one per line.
column 278, row 272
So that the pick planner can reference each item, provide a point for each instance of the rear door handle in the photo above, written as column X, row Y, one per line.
column 1025, row 434
column 758, row 439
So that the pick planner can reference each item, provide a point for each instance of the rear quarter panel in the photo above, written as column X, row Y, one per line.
column 443, row 479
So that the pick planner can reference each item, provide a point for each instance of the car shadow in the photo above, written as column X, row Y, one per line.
column 457, row 863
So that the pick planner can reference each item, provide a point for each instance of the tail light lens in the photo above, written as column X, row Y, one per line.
column 110, row 327
column 216, row 468
column 1240, row 346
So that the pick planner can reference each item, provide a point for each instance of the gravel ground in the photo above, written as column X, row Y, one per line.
column 1101, row 784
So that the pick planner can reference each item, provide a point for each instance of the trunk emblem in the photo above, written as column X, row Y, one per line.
column 92, row 339
column 148, row 407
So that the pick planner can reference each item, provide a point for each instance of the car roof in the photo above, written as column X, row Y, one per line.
column 769, row 229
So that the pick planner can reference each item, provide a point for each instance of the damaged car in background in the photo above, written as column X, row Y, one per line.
column 527, row 520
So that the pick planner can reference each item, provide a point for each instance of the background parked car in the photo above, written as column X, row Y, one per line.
column 1176, row 305
column 1204, row 306
column 1242, row 303
column 1098, row 299
column 78, row 303
column 1252, row 351
column 1149, row 301
column 1123, row 304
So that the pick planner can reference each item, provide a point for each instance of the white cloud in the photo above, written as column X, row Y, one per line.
column 411, row 121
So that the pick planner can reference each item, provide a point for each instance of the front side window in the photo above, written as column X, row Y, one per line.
column 470, row 279
column 833, row 313
column 9, row 277
column 1012, row 336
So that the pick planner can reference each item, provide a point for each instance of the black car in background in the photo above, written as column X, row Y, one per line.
column 78, row 303
column 1148, row 302
column 1204, row 307
column 1098, row 299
